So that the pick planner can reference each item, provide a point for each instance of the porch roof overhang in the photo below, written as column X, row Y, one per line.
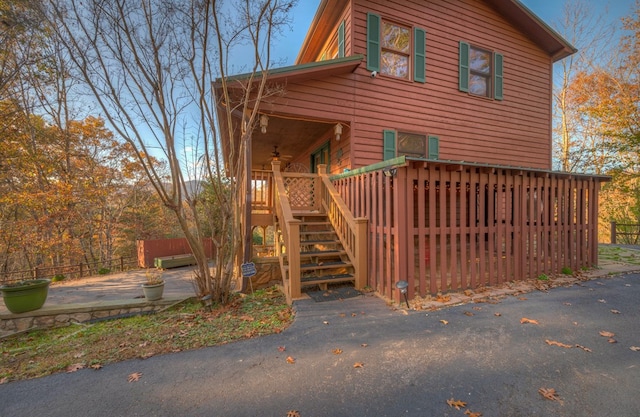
column 451, row 165
column 279, row 122
column 329, row 12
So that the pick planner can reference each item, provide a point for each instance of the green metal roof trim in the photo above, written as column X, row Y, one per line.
column 318, row 65
column 403, row 161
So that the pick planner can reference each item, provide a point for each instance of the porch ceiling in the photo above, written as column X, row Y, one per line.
column 293, row 137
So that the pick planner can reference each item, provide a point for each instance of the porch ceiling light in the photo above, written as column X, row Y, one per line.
column 402, row 286
column 264, row 122
column 337, row 130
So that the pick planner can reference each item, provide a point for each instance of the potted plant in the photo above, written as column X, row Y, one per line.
column 154, row 286
column 23, row 296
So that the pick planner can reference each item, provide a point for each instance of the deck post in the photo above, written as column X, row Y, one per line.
column 362, row 250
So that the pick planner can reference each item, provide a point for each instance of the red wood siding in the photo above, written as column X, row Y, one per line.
column 515, row 131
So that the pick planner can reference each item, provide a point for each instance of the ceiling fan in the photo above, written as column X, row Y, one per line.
column 275, row 155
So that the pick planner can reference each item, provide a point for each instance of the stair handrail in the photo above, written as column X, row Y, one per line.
column 290, row 227
column 351, row 231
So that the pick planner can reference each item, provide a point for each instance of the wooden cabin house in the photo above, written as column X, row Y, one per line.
column 413, row 143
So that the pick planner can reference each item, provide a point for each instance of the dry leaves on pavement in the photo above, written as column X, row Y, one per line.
column 75, row 367
column 134, row 377
column 550, row 394
column 555, row 343
column 457, row 404
column 525, row 320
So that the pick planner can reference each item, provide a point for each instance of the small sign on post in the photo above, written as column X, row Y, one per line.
column 249, row 269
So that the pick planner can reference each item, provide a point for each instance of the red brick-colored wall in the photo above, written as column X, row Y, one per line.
column 148, row 250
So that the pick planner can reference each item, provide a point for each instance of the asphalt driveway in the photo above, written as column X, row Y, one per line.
column 359, row 357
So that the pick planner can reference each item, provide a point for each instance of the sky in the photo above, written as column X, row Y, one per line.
column 550, row 11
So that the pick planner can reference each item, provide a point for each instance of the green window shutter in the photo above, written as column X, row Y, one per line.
column 498, row 83
column 434, row 147
column 389, row 151
column 341, row 40
column 373, row 42
column 419, row 55
column 463, row 75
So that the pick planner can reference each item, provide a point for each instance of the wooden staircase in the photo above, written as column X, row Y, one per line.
column 323, row 259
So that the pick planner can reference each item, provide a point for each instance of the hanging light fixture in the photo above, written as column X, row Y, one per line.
column 264, row 122
column 337, row 130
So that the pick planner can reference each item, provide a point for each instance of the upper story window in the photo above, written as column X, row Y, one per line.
column 480, row 71
column 396, row 50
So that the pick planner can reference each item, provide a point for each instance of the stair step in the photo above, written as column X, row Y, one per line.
column 324, row 265
column 327, row 278
column 317, row 232
column 322, row 253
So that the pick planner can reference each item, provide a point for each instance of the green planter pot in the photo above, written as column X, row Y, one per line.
column 26, row 295
column 153, row 292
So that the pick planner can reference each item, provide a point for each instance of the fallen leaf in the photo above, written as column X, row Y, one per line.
column 443, row 298
column 134, row 377
column 615, row 311
column 364, row 345
column 522, row 298
column 602, row 301
column 291, row 359
column 477, row 308
column 627, row 285
column 342, row 315
column 75, row 367
column 456, row 403
column 635, row 348
column 468, row 293
column 358, row 365
column 281, row 348
column 550, row 394
column 468, row 313
column 612, row 340
column 4, row 380
column 472, row 414
column 337, row 351
column 567, row 304
column 554, row 343
column 293, row 413
column 604, row 333
column 354, row 314
column 497, row 314
column 586, row 349
column 79, row 355
column 325, row 322
column 444, row 322
column 525, row 320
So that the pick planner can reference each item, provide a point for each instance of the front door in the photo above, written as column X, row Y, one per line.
column 320, row 156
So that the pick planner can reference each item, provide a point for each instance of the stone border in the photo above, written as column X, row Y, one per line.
column 65, row 314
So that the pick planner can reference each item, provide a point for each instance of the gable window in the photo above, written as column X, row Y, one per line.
column 335, row 47
column 480, row 72
column 409, row 144
column 394, row 49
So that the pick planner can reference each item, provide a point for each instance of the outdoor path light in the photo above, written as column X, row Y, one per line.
column 402, row 286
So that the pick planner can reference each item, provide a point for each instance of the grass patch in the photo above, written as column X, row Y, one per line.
column 187, row 326
column 623, row 254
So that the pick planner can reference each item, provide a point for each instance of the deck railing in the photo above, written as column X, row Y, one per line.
column 351, row 231
column 290, row 229
column 444, row 226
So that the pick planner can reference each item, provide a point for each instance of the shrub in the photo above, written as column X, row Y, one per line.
column 103, row 271
column 57, row 277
